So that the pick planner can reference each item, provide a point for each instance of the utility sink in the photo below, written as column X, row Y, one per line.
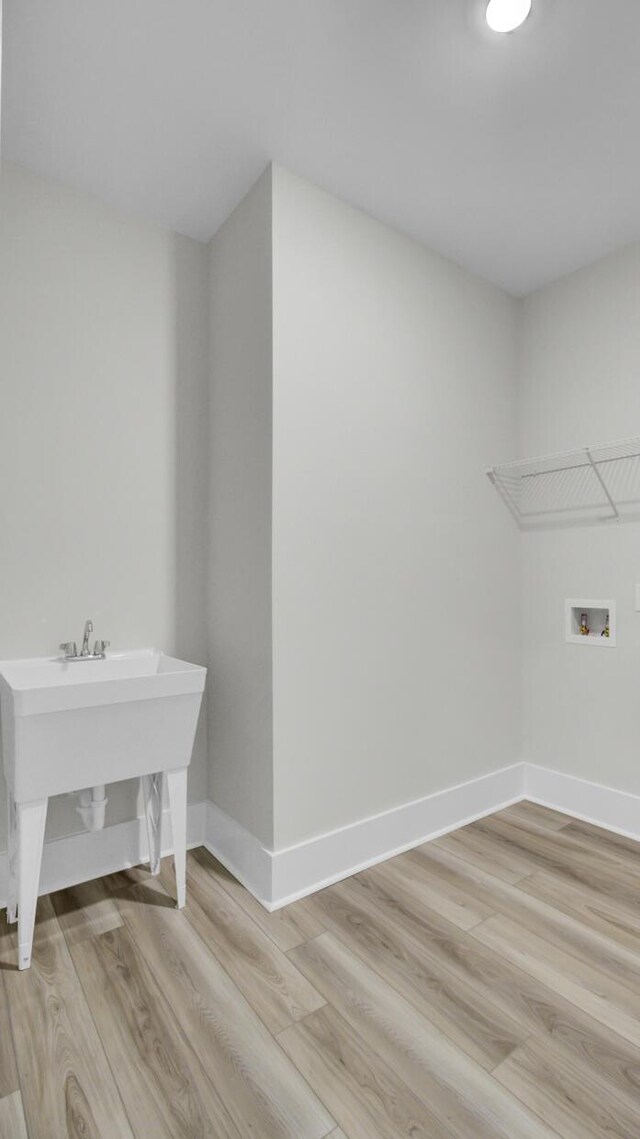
column 51, row 684
column 72, row 725
column 68, row 725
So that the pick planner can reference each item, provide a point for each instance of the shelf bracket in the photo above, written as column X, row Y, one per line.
column 491, row 475
column 594, row 467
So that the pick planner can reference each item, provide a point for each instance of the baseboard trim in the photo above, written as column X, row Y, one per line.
column 279, row 877
column 240, row 852
column 606, row 807
column 80, row 857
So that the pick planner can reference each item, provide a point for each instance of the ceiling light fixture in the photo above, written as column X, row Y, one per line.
column 506, row 15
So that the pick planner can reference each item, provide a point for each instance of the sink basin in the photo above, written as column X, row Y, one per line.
column 69, row 725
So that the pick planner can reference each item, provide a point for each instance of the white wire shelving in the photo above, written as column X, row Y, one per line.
column 591, row 484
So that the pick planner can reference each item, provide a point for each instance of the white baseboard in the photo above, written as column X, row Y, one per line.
column 277, row 877
column 281, row 876
column 606, row 807
column 240, row 851
column 81, row 857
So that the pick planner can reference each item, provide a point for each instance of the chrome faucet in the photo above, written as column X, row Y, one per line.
column 70, row 649
column 88, row 629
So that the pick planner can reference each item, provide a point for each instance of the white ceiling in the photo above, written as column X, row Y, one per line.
column 517, row 156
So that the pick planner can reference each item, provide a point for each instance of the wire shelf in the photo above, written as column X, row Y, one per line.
column 593, row 484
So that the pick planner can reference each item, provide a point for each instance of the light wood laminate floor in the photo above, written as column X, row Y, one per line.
column 483, row 986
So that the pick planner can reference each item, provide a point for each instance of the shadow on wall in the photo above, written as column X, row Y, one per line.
column 191, row 307
column 140, row 375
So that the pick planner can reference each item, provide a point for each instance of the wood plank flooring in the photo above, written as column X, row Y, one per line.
column 483, row 986
column 12, row 1123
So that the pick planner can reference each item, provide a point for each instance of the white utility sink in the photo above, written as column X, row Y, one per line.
column 70, row 725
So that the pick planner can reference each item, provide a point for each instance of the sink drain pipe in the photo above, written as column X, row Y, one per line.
column 93, row 801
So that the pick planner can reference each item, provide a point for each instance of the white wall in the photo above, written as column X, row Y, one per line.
column 240, row 692
column 393, row 567
column 396, row 624
column 103, row 436
column 580, row 384
column 358, row 591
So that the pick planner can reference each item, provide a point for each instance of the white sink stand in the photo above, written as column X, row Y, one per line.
column 71, row 726
column 26, row 836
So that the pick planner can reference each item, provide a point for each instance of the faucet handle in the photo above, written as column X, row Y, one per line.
column 69, row 648
column 99, row 647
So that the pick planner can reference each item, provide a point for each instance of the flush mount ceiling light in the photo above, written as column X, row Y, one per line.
column 506, row 15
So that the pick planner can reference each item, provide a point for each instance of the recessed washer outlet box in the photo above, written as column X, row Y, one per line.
column 600, row 616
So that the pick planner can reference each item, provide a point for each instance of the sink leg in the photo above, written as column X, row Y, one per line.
column 12, row 859
column 152, row 792
column 31, row 818
column 177, row 788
